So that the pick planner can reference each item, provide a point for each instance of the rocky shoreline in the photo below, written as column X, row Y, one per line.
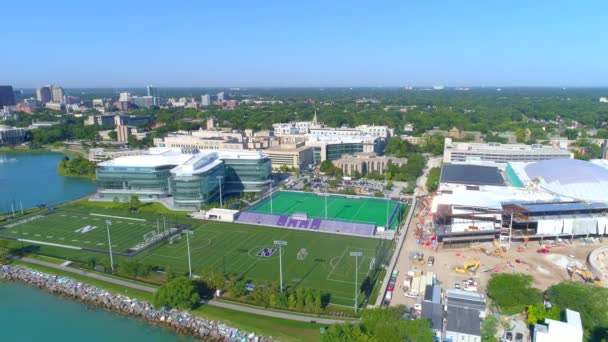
column 180, row 321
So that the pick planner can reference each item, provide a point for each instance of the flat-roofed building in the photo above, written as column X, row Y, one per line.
column 12, row 135
column 501, row 153
column 291, row 155
column 556, row 331
column 332, row 147
column 105, row 120
column 181, row 178
column 366, row 162
column 97, row 155
column 190, row 141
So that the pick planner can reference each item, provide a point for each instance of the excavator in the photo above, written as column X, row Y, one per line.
column 586, row 275
column 470, row 266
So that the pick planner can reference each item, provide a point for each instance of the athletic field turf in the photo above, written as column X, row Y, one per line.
column 72, row 229
column 310, row 259
column 345, row 208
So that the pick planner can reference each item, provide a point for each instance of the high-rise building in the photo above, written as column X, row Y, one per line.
column 206, row 100
column 221, row 96
column 43, row 94
column 151, row 91
column 124, row 97
column 7, row 96
column 57, row 94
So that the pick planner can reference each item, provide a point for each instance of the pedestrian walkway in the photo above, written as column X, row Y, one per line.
column 213, row 302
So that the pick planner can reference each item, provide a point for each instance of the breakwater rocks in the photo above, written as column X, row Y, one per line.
column 180, row 321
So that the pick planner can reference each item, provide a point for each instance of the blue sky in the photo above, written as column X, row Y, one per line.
column 304, row 43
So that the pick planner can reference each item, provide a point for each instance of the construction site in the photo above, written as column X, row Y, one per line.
column 486, row 220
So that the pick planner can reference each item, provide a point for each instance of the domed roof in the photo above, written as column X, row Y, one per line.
column 571, row 178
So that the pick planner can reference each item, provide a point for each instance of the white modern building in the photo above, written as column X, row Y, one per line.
column 557, row 331
column 501, row 153
column 11, row 135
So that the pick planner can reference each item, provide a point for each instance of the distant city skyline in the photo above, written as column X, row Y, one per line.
column 307, row 44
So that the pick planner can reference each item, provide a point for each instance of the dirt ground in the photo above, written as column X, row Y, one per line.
column 547, row 269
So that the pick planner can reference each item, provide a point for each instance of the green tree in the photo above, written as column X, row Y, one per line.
column 489, row 329
column 432, row 180
column 327, row 167
column 179, row 293
column 134, row 202
column 113, row 135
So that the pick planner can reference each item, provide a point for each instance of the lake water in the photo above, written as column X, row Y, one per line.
column 30, row 314
column 32, row 179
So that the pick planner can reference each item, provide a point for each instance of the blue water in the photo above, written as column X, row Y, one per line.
column 30, row 314
column 31, row 178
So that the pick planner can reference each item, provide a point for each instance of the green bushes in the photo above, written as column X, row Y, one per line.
column 179, row 293
column 513, row 293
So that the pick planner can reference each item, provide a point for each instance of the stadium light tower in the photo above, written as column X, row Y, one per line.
column 108, row 224
column 325, row 195
column 356, row 255
column 271, row 195
column 280, row 243
column 219, row 180
column 188, row 232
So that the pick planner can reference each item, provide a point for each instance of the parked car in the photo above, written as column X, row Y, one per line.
column 457, row 286
column 509, row 336
column 519, row 337
column 430, row 261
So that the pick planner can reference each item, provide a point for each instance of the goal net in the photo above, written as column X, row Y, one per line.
column 150, row 236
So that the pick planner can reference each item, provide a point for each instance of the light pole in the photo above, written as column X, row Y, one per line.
column 219, row 180
column 356, row 255
column 271, row 195
column 280, row 243
column 188, row 232
column 108, row 224
column 325, row 195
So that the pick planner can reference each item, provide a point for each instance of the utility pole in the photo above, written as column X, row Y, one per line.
column 108, row 224
column 188, row 232
column 21, row 204
column 164, row 225
column 280, row 243
column 325, row 195
column 356, row 255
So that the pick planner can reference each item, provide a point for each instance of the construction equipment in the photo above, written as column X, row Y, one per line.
column 498, row 251
column 470, row 266
column 585, row 275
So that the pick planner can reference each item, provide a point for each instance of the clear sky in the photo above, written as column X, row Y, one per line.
column 304, row 43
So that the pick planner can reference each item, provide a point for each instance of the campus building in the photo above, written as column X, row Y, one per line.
column 332, row 147
column 291, row 155
column 11, row 135
column 501, row 153
column 182, row 178
column 364, row 163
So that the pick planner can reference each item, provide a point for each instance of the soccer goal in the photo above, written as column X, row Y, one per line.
column 302, row 254
column 150, row 236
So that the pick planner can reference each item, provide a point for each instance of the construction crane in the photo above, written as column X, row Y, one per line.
column 470, row 266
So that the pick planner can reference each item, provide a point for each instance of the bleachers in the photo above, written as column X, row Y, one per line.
column 285, row 221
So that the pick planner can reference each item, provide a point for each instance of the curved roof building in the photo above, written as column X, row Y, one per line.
column 570, row 178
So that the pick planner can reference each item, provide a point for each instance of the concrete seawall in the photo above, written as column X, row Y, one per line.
column 180, row 321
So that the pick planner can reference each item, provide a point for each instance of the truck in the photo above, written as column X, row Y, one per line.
column 430, row 261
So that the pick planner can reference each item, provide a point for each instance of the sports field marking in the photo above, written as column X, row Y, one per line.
column 339, row 259
column 50, row 244
column 119, row 217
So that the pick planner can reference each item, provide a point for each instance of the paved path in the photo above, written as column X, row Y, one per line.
column 91, row 275
column 221, row 304
column 400, row 242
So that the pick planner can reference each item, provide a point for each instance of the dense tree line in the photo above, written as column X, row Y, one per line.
column 384, row 325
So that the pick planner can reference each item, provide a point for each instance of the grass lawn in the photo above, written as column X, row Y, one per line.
column 347, row 208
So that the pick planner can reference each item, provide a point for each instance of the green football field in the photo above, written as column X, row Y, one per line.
column 310, row 259
column 346, row 208
column 73, row 229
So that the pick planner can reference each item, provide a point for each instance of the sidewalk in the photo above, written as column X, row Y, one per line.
column 212, row 302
